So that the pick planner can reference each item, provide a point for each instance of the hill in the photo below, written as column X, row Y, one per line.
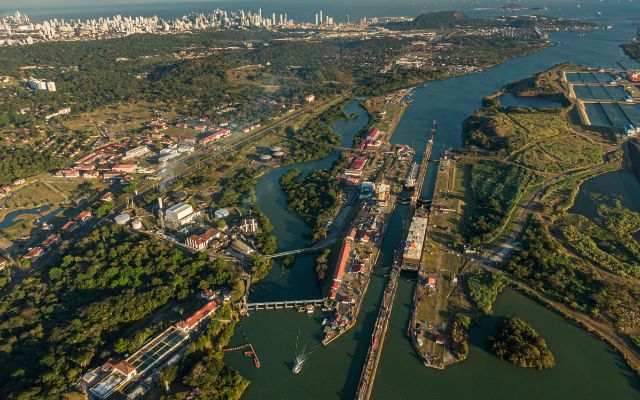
column 442, row 20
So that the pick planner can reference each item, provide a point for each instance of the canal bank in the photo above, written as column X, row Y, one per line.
column 333, row 372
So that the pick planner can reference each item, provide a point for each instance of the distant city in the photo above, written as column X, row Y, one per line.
column 18, row 29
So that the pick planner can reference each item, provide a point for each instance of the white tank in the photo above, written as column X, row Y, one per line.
column 122, row 219
column 137, row 224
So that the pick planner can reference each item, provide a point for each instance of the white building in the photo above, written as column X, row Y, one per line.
column 137, row 152
column 51, row 86
column 179, row 215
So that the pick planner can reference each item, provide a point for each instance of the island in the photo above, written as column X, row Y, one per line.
column 517, row 342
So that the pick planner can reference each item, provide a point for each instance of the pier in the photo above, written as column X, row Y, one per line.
column 286, row 304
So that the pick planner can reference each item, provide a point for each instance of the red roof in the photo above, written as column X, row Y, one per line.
column 358, row 163
column 125, row 368
column 343, row 257
column 84, row 215
column 352, row 234
column 67, row 226
column 50, row 240
column 33, row 253
column 372, row 133
column 199, row 315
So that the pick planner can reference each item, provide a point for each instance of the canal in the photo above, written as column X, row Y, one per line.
column 587, row 368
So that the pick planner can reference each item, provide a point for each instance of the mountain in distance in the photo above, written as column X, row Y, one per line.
column 442, row 20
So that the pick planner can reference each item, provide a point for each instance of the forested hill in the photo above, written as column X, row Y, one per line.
column 442, row 20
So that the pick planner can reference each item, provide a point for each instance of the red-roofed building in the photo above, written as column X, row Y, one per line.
column 3, row 263
column 201, row 242
column 352, row 234
column 83, row 216
column 107, row 197
column 51, row 240
column 34, row 254
column 125, row 369
column 69, row 226
column 341, row 266
column 193, row 321
column 372, row 134
column 356, row 167
column 124, row 167
column 68, row 173
column 431, row 282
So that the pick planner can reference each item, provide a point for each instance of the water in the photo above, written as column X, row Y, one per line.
column 620, row 185
column 587, row 368
column 13, row 218
column 297, row 282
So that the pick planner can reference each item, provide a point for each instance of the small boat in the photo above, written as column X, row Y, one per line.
column 310, row 309
column 297, row 366
column 301, row 356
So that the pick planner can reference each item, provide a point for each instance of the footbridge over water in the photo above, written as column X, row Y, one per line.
column 285, row 304
column 313, row 249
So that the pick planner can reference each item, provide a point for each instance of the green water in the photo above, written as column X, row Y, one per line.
column 587, row 368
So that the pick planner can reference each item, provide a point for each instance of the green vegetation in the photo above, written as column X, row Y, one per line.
column 202, row 368
column 495, row 189
column 322, row 264
column 315, row 197
column 633, row 49
column 460, row 336
column 517, row 342
column 608, row 241
column 484, row 287
column 67, row 318
column 544, row 265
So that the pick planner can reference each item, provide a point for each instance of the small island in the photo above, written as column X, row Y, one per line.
column 517, row 342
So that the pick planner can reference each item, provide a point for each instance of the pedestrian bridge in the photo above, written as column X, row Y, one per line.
column 286, row 304
column 318, row 247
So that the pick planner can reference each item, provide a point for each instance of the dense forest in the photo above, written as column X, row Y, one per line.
column 314, row 197
column 71, row 316
column 517, row 342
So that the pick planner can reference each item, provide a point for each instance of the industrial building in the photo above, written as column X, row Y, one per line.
column 103, row 381
column 415, row 242
column 201, row 242
column 179, row 215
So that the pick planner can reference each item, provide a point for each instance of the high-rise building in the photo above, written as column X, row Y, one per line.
column 321, row 19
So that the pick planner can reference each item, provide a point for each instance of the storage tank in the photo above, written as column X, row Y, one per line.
column 122, row 219
column 137, row 224
column 278, row 154
column 275, row 148
column 265, row 157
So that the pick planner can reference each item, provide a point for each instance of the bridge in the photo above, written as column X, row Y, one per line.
column 285, row 304
column 317, row 247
